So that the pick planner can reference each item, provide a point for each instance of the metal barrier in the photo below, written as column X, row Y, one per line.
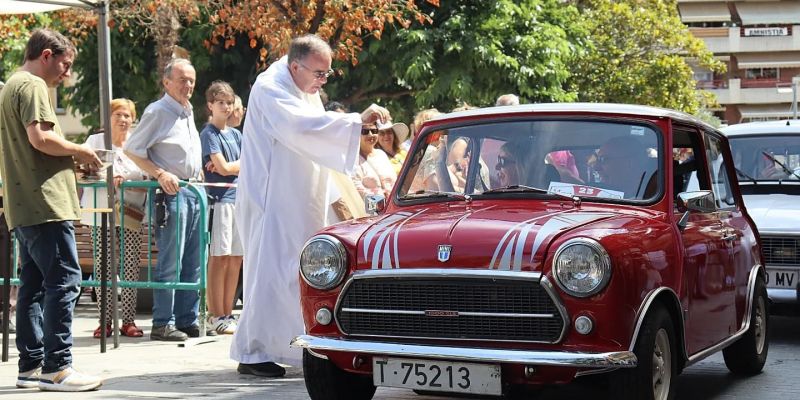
column 9, row 258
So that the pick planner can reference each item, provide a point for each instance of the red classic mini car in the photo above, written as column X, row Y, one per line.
column 530, row 245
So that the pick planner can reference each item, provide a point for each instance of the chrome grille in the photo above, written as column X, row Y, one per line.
column 781, row 250
column 488, row 309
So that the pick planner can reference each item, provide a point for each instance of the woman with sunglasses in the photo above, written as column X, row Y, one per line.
column 374, row 173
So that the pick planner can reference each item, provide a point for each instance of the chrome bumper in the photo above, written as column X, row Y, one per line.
column 616, row 359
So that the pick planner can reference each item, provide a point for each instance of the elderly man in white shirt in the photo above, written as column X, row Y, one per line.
column 290, row 146
column 166, row 145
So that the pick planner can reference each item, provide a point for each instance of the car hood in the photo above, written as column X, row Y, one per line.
column 774, row 212
column 492, row 237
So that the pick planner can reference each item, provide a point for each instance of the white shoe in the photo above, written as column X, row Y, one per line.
column 69, row 380
column 29, row 379
column 233, row 324
column 222, row 325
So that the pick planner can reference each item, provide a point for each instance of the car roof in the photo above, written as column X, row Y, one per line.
column 593, row 108
column 783, row 127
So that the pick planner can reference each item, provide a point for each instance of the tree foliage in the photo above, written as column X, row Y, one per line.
column 638, row 54
column 271, row 24
column 14, row 32
column 472, row 52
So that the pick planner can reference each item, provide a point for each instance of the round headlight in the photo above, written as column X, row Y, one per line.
column 582, row 267
column 323, row 262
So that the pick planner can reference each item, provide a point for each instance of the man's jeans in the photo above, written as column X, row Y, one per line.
column 178, row 244
column 50, row 280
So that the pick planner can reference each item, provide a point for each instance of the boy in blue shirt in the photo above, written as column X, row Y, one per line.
column 222, row 146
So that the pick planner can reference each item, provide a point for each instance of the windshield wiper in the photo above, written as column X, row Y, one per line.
column 433, row 193
column 527, row 189
column 784, row 167
column 742, row 174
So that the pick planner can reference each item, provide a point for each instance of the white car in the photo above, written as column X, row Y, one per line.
column 767, row 159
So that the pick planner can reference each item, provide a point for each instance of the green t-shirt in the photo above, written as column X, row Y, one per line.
column 37, row 188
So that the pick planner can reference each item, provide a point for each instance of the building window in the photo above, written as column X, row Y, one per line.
column 761, row 73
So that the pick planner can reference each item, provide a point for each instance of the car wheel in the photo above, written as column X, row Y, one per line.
column 653, row 378
column 748, row 355
column 325, row 381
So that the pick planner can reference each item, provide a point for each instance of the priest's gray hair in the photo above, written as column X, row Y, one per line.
column 507, row 100
column 302, row 46
column 172, row 63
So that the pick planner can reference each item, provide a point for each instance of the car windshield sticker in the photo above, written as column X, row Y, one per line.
column 571, row 189
column 637, row 130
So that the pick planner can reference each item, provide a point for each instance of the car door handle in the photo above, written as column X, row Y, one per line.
column 729, row 235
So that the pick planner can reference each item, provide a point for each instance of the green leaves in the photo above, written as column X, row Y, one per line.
column 637, row 54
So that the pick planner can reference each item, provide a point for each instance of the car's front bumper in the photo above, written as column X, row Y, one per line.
column 616, row 359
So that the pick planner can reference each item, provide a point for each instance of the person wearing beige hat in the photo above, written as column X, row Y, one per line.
column 390, row 136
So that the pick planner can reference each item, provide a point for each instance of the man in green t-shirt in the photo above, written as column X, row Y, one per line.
column 40, row 198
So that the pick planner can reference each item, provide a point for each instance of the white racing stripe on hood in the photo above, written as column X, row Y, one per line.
column 561, row 222
column 381, row 252
column 512, row 245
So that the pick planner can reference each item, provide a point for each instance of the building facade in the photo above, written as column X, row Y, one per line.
column 760, row 43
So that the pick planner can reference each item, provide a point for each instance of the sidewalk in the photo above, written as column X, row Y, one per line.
column 141, row 368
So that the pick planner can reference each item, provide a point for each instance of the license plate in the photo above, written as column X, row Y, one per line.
column 782, row 278
column 436, row 375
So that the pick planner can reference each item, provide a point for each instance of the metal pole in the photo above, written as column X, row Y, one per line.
column 794, row 98
column 6, row 263
column 104, row 61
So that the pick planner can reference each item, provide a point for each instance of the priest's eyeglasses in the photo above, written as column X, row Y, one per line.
column 318, row 74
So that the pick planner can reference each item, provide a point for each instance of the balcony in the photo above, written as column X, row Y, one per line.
column 730, row 40
column 746, row 91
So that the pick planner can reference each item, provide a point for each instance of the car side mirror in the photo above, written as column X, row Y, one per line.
column 701, row 201
column 374, row 204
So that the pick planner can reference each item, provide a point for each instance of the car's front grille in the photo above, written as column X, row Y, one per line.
column 450, row 308
column 781, row 250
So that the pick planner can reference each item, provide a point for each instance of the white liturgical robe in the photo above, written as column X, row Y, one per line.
column 290, row 145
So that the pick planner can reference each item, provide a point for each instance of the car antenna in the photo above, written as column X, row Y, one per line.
column 787, row 122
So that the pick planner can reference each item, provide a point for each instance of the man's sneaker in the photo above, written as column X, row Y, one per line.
column 69, row 380
column 265, row 369
column 29, row 379
column 221, row 325
column 167, row 333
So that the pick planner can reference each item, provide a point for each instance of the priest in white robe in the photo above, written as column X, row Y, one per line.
column 290, row 146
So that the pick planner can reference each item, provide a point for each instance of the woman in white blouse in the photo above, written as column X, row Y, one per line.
column 374, row 173
column 123, row 113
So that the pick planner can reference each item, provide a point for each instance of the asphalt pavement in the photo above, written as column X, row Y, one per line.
column 144, row 369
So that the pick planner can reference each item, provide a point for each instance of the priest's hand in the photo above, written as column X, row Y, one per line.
column 168, row 182
column 375, row 113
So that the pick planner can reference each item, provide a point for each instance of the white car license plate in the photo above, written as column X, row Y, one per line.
column 437, row 375
column 782, row 278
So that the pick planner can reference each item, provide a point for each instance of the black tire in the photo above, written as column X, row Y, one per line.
column 325, row 381
column 654, row 376
column 748, row 355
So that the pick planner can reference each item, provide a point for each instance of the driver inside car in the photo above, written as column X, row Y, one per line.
column 622, row 163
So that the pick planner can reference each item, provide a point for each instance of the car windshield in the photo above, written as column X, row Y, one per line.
column 766, row 157
column 542, row 158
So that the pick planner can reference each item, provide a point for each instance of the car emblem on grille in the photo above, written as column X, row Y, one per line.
column 440, row 313
column 444, row 252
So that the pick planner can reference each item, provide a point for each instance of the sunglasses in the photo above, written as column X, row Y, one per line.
column 370, row 131
column 504, row 162
column 318, row 74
